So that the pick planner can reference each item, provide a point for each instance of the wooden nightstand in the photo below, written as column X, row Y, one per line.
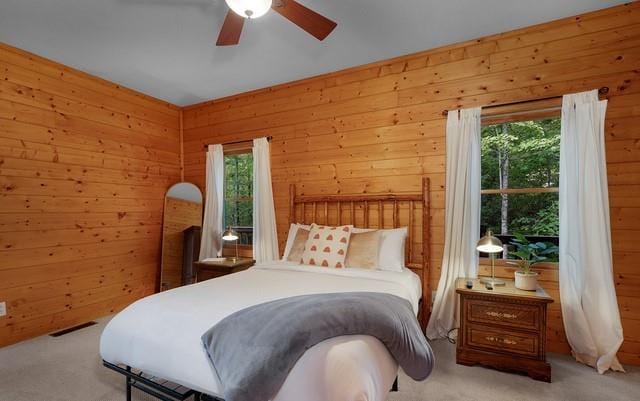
column 207, row 270
column 504, row 328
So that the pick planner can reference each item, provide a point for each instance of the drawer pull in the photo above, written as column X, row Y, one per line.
column 500, row 340
column 501, row 314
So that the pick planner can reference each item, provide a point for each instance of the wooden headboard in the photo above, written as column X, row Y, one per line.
column 377, row 211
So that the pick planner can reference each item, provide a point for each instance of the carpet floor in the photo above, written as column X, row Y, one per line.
column 68, row 368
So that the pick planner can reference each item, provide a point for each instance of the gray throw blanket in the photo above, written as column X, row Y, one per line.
column 254, row 349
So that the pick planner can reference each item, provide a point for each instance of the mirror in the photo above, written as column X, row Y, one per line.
column 181, row 226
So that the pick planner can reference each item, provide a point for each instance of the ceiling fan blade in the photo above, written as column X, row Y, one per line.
column 231, row 29
column 309, row 20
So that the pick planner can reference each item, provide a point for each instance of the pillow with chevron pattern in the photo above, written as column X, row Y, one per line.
column 326, row 246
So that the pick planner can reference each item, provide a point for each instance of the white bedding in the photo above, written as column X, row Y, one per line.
column 160, row 334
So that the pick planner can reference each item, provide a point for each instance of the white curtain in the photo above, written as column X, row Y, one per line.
column 212, row 225
column 587, row 293
column 265, row 235
column 462, row 227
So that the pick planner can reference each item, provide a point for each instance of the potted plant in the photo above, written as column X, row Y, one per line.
column 530, row 254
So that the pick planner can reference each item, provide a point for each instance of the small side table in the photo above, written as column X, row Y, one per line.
column 218, row 269
column 504, row 328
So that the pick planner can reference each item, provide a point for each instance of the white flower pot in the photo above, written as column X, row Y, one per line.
column 527, row 282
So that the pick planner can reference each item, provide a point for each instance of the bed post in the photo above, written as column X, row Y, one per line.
column 426, row 253
column 292, row 203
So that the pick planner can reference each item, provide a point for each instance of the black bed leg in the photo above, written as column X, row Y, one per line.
column 395, row 385
column 128, row 385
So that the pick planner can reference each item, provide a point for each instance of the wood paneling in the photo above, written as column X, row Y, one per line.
column 379, row 128
column 84, row 165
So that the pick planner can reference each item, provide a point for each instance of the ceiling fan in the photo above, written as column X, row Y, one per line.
column 239, row 10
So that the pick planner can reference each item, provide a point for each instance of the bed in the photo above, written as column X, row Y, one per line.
column 160, row 334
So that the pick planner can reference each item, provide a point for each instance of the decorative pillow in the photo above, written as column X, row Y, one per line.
column 297, row 248
column 326, row 246
column 392, row 249
column 293, row 229
column 363, row 250
column 392, row 242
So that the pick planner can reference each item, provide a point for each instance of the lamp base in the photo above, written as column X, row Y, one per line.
column 496, row 282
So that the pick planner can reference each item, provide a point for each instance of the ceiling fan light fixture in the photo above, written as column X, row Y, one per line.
column 249, row 8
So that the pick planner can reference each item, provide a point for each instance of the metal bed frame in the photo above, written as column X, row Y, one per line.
column 165, row 390
column 356, row 208
column 159, row 388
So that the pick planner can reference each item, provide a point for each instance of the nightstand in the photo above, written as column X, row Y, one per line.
column 208, row 270
column 504, row 328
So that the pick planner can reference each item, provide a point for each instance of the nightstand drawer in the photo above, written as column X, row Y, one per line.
column 511, row 315
column 490, row 339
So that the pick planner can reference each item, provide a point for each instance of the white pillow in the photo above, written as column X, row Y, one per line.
column 391, row 256
column 293, row 230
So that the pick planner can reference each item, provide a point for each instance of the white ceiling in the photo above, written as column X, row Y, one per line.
column 165, row 48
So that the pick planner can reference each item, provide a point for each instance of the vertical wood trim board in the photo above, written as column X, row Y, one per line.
column 379, row 128
column 84, row 165
column 181, row 146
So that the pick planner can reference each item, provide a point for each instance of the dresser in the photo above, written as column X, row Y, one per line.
column 504, row 328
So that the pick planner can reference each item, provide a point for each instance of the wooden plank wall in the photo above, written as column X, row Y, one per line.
column 84, row 165
column 379, row 128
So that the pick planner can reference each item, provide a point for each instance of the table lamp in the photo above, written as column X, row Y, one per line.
column 491, row 245
column 231, row 235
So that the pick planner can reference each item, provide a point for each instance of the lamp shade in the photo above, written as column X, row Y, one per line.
column 489, row 244
column 249, row 8
column 230, row 235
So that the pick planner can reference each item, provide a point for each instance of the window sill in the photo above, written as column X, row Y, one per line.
column 548, row 272
column 507, row 264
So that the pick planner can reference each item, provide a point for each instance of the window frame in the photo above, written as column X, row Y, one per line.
column 229, row 248
column 516, row 112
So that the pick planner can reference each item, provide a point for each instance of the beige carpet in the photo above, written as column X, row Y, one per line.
column 68, row 368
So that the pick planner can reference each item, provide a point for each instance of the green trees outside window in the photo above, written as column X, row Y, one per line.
column 520, row 177
column 238, row 195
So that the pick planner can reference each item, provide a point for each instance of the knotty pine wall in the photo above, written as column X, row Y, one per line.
column 84, row 165
column 379, row 128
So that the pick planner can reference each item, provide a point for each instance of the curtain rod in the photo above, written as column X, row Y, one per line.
column 519, row 113
column 602, row 91
column 269, row 138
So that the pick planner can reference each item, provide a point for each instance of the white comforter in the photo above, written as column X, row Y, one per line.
column 160, row 334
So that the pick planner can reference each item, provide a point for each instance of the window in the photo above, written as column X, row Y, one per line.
column 238, row 195
column 520, row 177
